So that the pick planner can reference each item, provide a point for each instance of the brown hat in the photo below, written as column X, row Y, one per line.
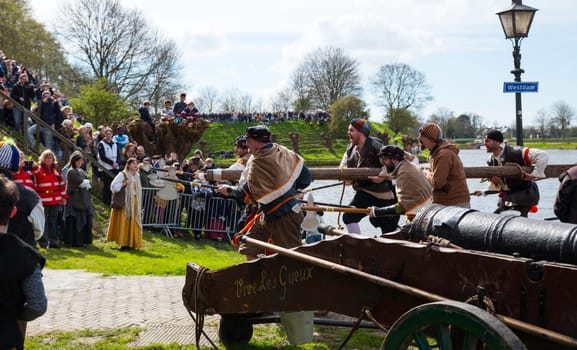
column 431, row 131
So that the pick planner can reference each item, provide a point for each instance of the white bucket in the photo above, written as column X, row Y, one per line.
column 298, row 326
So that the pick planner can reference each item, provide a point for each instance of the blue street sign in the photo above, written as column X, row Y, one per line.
column 521, row 86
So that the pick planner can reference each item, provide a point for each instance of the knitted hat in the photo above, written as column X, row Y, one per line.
column 260, row 133
column 361, row 125
column 431, row 131
column 494, row 135
column 9, row 156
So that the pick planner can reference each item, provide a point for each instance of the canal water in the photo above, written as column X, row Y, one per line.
column 471, row 158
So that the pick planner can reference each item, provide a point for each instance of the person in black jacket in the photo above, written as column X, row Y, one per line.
column 50, row 114
column 28, row 222
column 144, row 113
column 363, row 153
column 23, row 93
column 180, row 105
column 22, row 295
column 565, row 207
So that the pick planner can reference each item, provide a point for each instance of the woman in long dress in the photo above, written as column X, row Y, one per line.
column 125, row 227
column 79, row 210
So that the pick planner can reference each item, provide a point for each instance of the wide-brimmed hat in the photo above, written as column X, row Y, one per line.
column 260, row 133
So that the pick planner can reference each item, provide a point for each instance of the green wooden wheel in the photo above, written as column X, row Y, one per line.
column 449, row 325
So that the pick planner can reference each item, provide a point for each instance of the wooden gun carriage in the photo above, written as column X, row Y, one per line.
column 454, row 297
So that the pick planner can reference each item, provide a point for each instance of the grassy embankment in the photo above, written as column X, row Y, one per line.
column 220, row 137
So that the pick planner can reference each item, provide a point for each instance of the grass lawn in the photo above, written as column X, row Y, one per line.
column 160, row 256
column 266, row 337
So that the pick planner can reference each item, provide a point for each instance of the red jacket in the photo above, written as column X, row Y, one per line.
column 24, row 177
column 50, row 185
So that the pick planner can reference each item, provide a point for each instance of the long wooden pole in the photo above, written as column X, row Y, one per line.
column 362, row 173
column 337, row 209
column 419, row 293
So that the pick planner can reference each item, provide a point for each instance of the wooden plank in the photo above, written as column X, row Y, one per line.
column 553, row 170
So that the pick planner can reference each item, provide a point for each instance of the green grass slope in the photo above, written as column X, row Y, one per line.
column 219, row 137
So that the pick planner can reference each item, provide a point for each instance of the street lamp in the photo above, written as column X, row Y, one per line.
column 516, row 22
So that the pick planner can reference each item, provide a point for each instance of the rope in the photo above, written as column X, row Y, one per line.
column 487, row 303
column 199, row 309
column 365, row 314
column 340, row 226
column 439, row 241
column 519, row 167
column 249, row 224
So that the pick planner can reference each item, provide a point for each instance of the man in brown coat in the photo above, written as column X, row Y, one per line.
column 447, row 174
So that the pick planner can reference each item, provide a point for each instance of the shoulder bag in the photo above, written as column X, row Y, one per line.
column 119, row 198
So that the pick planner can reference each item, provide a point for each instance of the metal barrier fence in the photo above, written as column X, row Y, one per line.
column 204, row 213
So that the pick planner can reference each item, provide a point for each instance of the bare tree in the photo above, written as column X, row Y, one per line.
column 542, row 120
column 283, row 101
column 245, row 103
column 302, row 101
column 441, row 117
column 207, row 100
column 326, row 75
column 398, row 86
column 562, row 115
column 111, row 42
column 257, row 105
column 231, row 100
column 161, row 84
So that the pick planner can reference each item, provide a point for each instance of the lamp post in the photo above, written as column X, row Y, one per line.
column 516, row 22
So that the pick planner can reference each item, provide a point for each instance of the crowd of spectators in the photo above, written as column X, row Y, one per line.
column 112, row 148
column 319, row 117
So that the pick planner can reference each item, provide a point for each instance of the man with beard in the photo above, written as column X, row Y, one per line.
column 516, row 194
column 274, row 177
column 377, row 191
column 242, row 151
column 412, row 188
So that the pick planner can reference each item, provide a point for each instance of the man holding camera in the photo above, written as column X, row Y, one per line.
column 49, row 113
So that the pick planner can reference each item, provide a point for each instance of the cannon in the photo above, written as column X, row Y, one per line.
column 423, row 292
column 514, row 235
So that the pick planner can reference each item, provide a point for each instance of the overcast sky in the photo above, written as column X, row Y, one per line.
column 255, row 45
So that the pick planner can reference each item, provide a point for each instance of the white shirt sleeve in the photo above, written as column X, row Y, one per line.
column 116, row 184
column 236, row 166
column 37, row 219
column 539, row 160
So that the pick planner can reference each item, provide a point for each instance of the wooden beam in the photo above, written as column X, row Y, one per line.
column 361, row 173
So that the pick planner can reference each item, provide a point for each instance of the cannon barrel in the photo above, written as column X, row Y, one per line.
column 471, row 229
